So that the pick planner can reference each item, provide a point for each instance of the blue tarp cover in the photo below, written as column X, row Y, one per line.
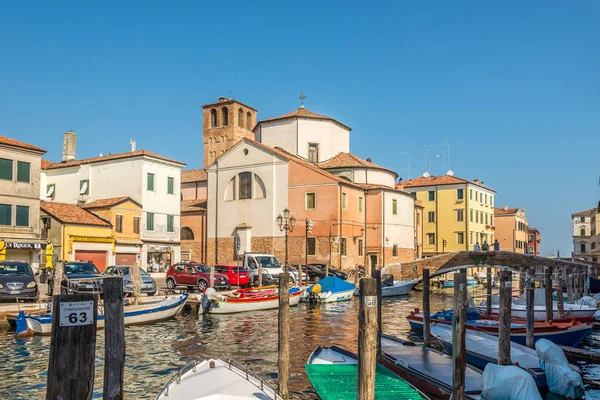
column 334, row 284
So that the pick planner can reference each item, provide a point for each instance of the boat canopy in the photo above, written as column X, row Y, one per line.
column 508, row 382
column 334, row 284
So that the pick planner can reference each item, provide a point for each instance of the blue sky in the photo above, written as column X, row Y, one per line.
column 513, row 86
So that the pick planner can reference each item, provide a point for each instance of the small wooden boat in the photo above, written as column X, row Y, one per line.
column 566, row 333
column 214, row 380
column 572, row 310
column 248, row 301
column 333, row 373
column 482, row 349
column 329, row 290
column 395, row 288
column 426, row 368
column 133, row 315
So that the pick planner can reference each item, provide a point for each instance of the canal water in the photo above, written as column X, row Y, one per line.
column 155, row 352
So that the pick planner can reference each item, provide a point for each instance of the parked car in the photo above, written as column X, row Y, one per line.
column 316, row 272
column 194, row 275
column 78, row 277
column 237, row 275
column 17, row 281
column 270, row 268
column 148, row 283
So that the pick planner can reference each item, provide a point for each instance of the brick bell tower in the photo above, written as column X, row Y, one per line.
column 225, row 122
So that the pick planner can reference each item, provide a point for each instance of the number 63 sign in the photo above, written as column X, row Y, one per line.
column 76, row 313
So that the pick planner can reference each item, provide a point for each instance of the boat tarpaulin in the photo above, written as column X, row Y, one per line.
column 561, row 379
column 334, row 284
column 508, row 382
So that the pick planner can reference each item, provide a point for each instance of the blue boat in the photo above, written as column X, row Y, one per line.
column 161, row 309
column 571, row 334
column 329, row 290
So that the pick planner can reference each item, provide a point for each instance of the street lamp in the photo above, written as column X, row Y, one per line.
column 286, row 224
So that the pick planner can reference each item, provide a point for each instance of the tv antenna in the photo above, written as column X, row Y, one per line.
column 405, row 153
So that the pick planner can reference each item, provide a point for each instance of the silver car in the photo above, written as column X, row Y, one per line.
column 148, row 283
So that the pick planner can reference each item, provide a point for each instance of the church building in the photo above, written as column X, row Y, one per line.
column 300, row 161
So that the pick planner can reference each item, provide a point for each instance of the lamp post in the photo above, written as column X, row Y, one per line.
column 286, row 223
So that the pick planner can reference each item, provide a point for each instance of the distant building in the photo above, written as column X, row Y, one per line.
column 193, row 215
column 457, row 213
column 20, row 165
column 586, row 237
column 534, row 241
column 147, row 178
column 512, row 229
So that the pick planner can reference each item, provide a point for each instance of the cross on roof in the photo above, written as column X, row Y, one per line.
column 302, row 97
column 230, row 91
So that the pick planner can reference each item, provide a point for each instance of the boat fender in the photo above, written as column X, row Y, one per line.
column 316, row 288
column 206, row 304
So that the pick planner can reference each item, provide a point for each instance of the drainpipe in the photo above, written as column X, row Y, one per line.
column 437, row 218
column 467, row 233
column 341, row 226
column 365, row 230
column 383, row 232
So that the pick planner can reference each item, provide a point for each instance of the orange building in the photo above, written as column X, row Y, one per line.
column 512, row 229
column 193, row 215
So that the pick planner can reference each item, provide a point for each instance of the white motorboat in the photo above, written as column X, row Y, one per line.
column 133, row 315
column 394, row 288
column 216, row 380
column 329, row 290
column 247, row 300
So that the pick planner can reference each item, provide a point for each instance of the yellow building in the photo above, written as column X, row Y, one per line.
column 125, row 215
column 77, row 234
column 457, row 213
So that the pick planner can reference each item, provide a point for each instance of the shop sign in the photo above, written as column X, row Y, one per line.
column 25, row 246
column 92, row 239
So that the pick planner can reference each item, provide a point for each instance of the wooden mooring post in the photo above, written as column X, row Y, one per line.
column 505, row 318
column 459, row 350
column 72, row 347
column 114, row 338
column 367, row 339
column 529, row 309
column 376, row 274
column 522, row 277
column 426, row 309
column 548, row 292
column 283, row 364
column 488, row 301
column 560, row 301
column 570, row 293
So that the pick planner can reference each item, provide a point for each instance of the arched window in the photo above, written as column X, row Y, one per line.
column 186, row 233
column 213, row 118
column 249, row 121
column 245, row 185
column 210, row 140
column 260, row 191
column 225, row 116
column 230, row 190
column 240, row 118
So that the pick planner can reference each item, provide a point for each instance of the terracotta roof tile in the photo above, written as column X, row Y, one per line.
column 104, row 203
column 438, row 180
column 348, row 160
column 502, row 211
column 587, row 212
column 72, row 214
column 303, row 113
column 46, row 164
column 15, row 143
column 193, row 205
column 193, row 175
column 129, row 154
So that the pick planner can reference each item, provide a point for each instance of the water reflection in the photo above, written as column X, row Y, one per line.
column 155, row 352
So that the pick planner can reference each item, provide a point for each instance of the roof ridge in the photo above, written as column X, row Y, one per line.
column 116, row 156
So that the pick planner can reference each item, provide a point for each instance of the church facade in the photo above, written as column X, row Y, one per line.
column 299, row 161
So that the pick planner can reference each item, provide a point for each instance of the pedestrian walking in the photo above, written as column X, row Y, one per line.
column 485, row 246
column 476, row 247
column 496, row 245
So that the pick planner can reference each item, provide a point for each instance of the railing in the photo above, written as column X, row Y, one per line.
column 231, row 365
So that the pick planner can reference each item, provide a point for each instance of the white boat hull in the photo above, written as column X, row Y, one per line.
column 133, row 315
column 232, row 307
column 400, row 288
column 539, row 312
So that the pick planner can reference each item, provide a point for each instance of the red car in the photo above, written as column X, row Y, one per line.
column 194, row 275
column 237, row 275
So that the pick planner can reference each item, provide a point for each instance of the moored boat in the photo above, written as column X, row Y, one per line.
column 427, row 369
column 216, row 379
column 246, row 301
column 482, row 348
column 133, row 315
column 329, row 290
column 333, row 373
column 567, row 333
column 390, row 287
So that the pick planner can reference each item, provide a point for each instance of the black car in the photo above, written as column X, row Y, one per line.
column 316, row 272
column 79, row 277
column 17, row 281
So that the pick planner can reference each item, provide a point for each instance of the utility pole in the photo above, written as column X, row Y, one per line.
column 309, row 225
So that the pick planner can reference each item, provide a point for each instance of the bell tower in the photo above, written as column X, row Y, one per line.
column 225, row 122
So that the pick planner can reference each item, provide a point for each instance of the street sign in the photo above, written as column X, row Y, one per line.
column 237, row 243
column 76, row 313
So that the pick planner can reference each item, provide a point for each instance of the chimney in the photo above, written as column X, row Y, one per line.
column 69, row 146
column 369, row 160
column 505, row 208
column 483, row 183
column 476, row 181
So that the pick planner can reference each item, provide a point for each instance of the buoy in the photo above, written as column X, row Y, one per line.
column 316, row 288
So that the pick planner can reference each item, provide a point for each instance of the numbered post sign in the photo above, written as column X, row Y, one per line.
column 76, row 313
column 370, row 301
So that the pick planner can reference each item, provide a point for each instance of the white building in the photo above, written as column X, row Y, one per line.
column 148, row 178
column 586, row 238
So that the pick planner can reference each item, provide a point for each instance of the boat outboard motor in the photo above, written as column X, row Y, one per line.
column 313, row 293
column 209, row 300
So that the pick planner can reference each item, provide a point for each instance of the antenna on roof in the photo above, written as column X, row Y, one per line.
column 230, row 91
column 302, row 97
column 447, row 144
column 441, row 156
column 132, row 143
column 427, row 169
column 407, row 154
